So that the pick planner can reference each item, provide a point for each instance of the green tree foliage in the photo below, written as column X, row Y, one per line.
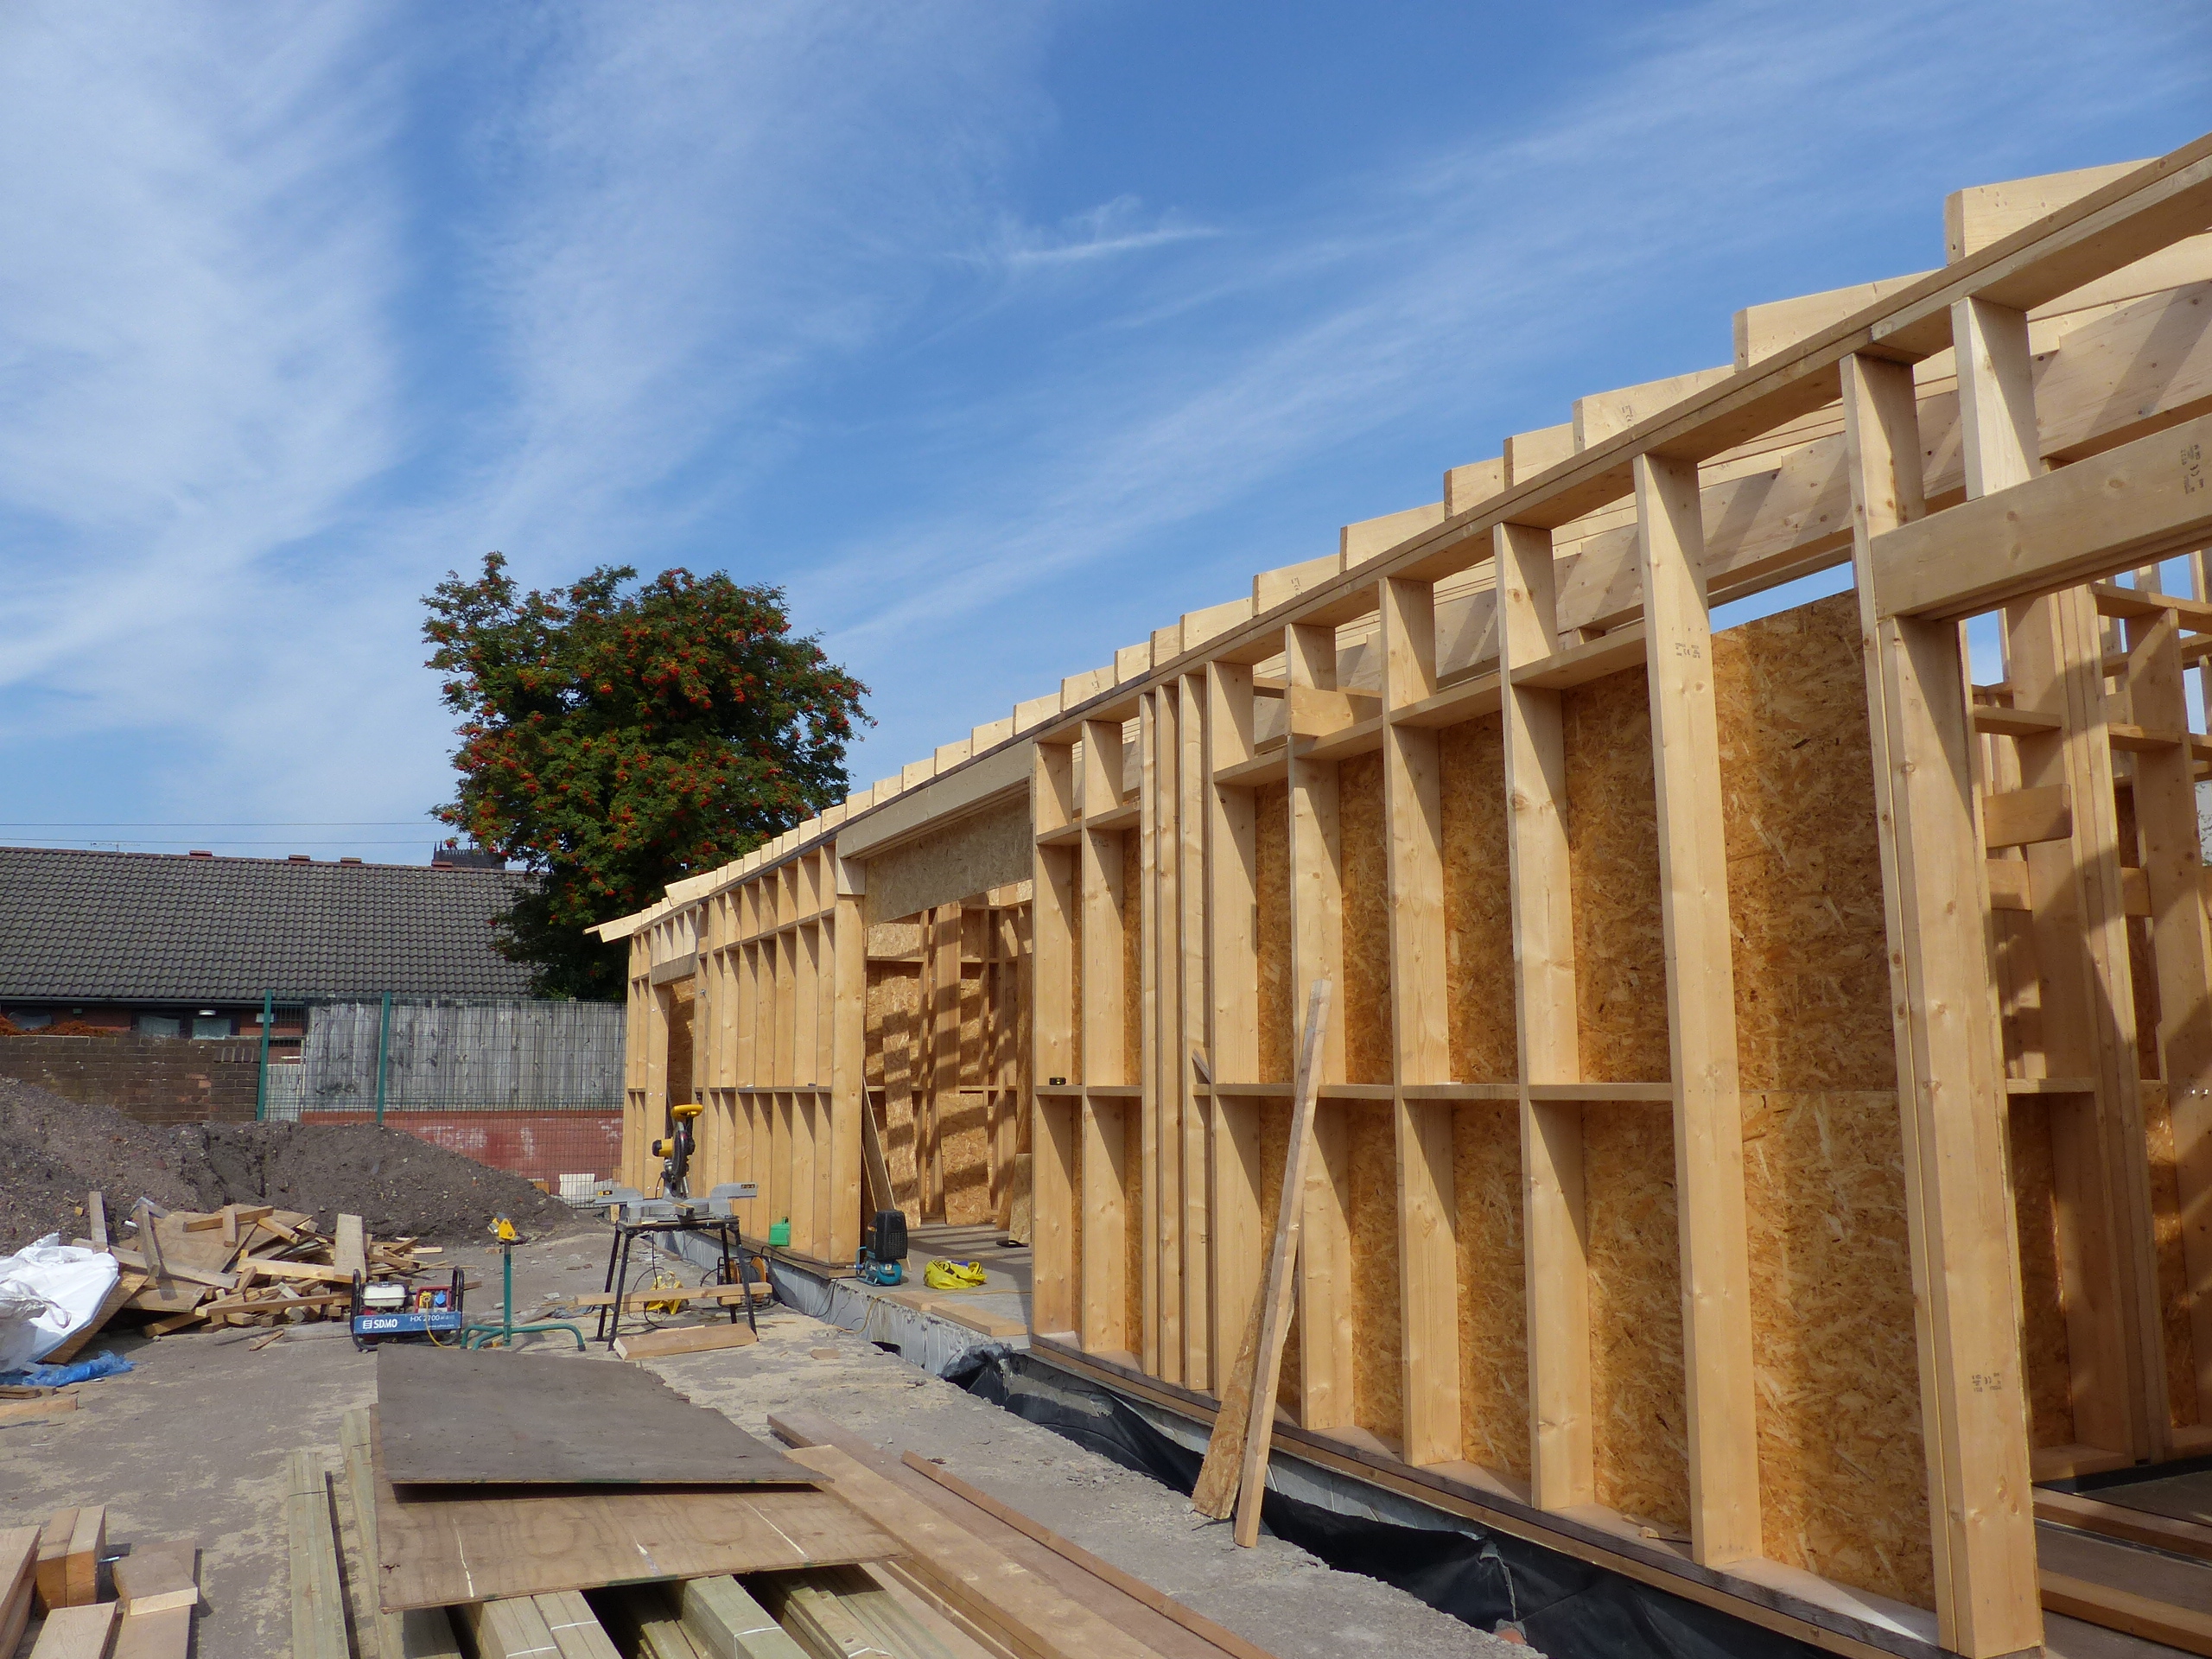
column 617, row 736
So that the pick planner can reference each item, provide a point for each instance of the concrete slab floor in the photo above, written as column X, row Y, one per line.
column 193, row 1443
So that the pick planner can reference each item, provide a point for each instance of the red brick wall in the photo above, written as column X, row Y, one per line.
column 154, row 1079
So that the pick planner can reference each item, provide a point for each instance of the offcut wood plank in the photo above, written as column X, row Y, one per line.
column 82, row 1559
column 36, row 1411
column 350, row 1249
column 53, row 1576
column 684, row 1340
column 722, row 1620
column 18, row 1583
column 157, row 1577
column 452, row 1417
column 318, row 1602
column 95, row 1217
column 2185, row 1627
column 441, row 1551
column 164, row 1635
column 979, row 1581
column 76, row 1632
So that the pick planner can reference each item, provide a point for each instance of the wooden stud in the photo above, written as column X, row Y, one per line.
column 1159, row 1347
column 1710, row 1217
column 1190, row 1028
column 847, row 1014
column 1556, row 1243
column 1950, row 1066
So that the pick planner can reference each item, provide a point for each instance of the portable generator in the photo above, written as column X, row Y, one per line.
column 391, row 1309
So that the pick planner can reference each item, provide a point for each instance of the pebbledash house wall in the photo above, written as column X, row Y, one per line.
column 162, row 1080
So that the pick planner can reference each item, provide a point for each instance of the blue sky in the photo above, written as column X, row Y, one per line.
column 997, row 333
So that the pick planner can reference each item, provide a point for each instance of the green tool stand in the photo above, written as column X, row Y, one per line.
column 481, row 1336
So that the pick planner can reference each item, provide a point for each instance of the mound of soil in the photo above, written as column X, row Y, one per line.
column 397, row 1184
column 52, row 1151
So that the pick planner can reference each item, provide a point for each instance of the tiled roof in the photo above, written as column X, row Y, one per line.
column 140, row 927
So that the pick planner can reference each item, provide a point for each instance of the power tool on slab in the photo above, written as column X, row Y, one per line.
column 882, row 1256
column 674, row 1150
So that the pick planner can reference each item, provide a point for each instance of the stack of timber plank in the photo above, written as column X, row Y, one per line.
column 53, row 1571
column 242, row 1265
column 495, row 1525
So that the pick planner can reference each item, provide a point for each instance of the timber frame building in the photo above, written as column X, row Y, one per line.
column 1769, row 1121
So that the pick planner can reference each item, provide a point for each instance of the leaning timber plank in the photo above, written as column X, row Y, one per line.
column 2122, row 1610
column 156, row 1577
column 725, row 1622
column 127, row 1285
column 684, row 1340
column 318, row 1603
column 454, row 1417
column 576, row 1630
column 53, row 1575
column 1276, row 1292
column 81, row 1558
column 381, row 1632
column 18, row 1581
column 2117, row 1521
column 975, row 1578
column 36, row 1411
column 76, row 1632
column 95, row 1217
column 1128, row 1584
column 350, row 1249
column 442, row 1551
column 164, row 1635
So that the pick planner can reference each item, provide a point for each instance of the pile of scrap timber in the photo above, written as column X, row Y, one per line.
column 241, row 1265
column 141, row 1608
column 490, row 1520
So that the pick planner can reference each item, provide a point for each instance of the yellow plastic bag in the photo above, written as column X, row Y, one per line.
column 953, row 1275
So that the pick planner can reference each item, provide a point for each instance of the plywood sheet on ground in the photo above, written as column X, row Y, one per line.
column 1843, row 1479
column 1493, row 1317
column 438, row 1551
column 1477, row 904
column 1612, row 833
column 1638, row 1407
column 455, row 1416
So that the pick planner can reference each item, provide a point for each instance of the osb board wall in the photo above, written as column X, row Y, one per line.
column 1378, row 1337
column 1804, row 856
column 1637, row 1408
column 1274, row 1155
column 2173, row 1269
column 2045, row 1355
column 1843, row 1483
column 964, row 1144
column 1493, row 1317
column 1477, row 904
column 995, row 849
column 1271, row 811
column 682, row 1005
column 1132, row 958
column 1366, row 911
column 1612, row 841
column 894, row 996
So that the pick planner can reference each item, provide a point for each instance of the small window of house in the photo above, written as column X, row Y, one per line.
column 211, row 1025
column 159, row 1025
column 29, row 1020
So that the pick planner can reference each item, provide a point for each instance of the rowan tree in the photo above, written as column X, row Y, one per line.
column 618, row 735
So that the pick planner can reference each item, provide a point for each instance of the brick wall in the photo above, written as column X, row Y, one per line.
column 154, row 1079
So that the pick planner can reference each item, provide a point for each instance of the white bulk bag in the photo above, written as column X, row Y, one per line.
column 47, row 1290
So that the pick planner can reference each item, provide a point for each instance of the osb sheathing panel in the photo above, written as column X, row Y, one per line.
column 1477, row 904
column 1493, row 1319
column 1378, row 1339
column 894, row 1002
column 891, row 986
column 1366, row 911
column 1637, row 1401
column 1612, row 838
column 1275, row 1153
column 1271, row 813
column 1842, row 1476
column 1131, row 959
column 2173, row 1268
column 1804, row 856
column 2045, row 1357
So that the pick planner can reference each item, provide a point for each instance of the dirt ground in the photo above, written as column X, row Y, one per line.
column 193, row 1443
column 52, row 1151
